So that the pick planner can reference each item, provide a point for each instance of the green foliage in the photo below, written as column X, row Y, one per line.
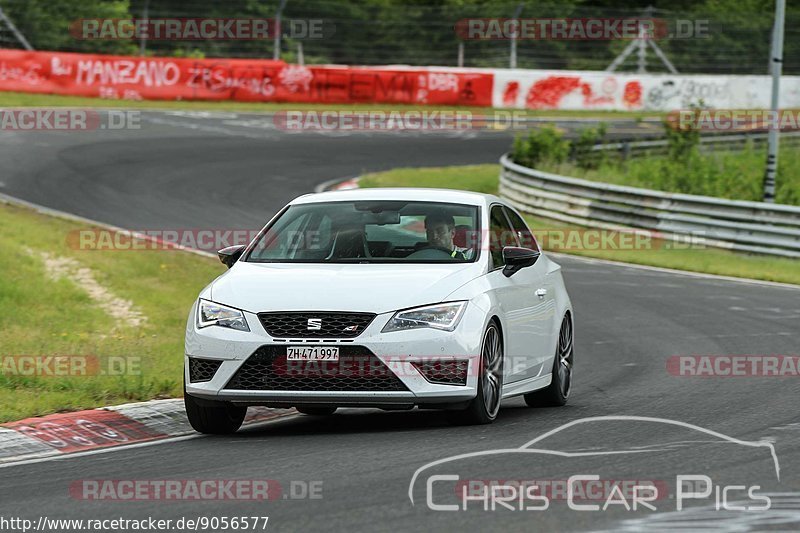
column 47, row 23
column 543, row 145
column 683, row 136
column 583, row 154
column 40, row 316
column 733, row 175
column 546, row 145
column 735, row 36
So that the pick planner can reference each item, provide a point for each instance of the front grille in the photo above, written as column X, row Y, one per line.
column 444, row 371
column 358, row 369
column 296, row 325
column 202, row 369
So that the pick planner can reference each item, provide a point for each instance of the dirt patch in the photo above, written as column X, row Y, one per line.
column 122, row 310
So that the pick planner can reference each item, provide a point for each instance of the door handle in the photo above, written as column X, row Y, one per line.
column 541, row 293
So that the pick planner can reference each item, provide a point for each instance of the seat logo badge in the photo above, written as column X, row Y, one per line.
column 314, row 323
column 350, row 329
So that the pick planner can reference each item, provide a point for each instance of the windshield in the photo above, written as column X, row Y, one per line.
column 371, row 232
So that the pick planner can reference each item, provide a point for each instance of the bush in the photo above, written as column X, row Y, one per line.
column 683, row 138
column 581, row 150
column 543, row 145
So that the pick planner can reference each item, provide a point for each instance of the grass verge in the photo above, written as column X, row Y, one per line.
column 43, row 316
column 15, row 99
column 484, row 178
column 734, row 175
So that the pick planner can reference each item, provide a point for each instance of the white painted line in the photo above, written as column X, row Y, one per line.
column 594, row 260
column 328, row 185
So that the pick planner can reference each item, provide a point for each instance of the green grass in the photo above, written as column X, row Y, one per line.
column 43, row 317
column 733, row 175
column 14, row 99
column 484, row 178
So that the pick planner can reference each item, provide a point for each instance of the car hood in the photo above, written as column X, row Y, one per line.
column 373, row 288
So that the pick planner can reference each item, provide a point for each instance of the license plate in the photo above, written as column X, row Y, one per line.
column 312, row 353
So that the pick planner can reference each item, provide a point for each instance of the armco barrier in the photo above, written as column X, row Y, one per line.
column 754, row 227
column 247, row 80
column 708, row 143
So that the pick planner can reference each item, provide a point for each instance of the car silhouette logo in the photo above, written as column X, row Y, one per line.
column 314, row 324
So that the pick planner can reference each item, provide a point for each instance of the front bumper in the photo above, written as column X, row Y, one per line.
column 398, row 351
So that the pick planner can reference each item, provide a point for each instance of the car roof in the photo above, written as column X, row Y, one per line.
column 401, row 193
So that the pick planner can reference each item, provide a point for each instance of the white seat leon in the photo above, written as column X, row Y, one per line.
column 387, row 298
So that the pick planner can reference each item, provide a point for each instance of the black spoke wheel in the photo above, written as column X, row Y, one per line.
column 484, row 408
column 557, row 392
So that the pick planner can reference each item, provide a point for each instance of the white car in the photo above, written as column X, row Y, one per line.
column 388, row 298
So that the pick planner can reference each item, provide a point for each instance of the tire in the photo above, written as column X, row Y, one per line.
column 484, row 407
column 557, row 393
column 316, row 411
column 212, row 417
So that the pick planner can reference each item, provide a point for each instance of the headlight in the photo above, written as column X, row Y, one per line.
column 439, row 316
column 212, row 314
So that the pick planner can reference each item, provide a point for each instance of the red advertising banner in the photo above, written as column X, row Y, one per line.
column 247, row 80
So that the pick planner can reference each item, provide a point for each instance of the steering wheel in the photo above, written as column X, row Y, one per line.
column 431, row 251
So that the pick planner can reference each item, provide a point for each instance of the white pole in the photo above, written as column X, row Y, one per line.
column 143, row 38
column 276, row 54
column 512, row 57
column 641, row 60
column 776, row 66
column 21, row 38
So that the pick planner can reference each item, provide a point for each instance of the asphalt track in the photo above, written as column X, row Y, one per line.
column 234, row 171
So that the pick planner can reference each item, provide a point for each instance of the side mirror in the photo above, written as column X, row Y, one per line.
column 231, row 254
column 518, row 258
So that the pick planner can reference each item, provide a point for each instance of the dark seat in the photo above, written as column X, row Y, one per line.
column 350, row 244
column 460, row 237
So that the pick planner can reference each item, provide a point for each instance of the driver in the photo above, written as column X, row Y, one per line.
column 441, row 229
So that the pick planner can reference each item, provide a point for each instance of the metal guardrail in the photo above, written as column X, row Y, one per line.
column 708, row 143
column 744, row 226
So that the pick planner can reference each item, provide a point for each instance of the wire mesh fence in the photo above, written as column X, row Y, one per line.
column 734, row 39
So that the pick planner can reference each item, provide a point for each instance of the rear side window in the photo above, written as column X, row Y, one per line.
column 524, row 234
column 501, row 234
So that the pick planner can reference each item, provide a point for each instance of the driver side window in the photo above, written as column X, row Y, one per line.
column 500, row 234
